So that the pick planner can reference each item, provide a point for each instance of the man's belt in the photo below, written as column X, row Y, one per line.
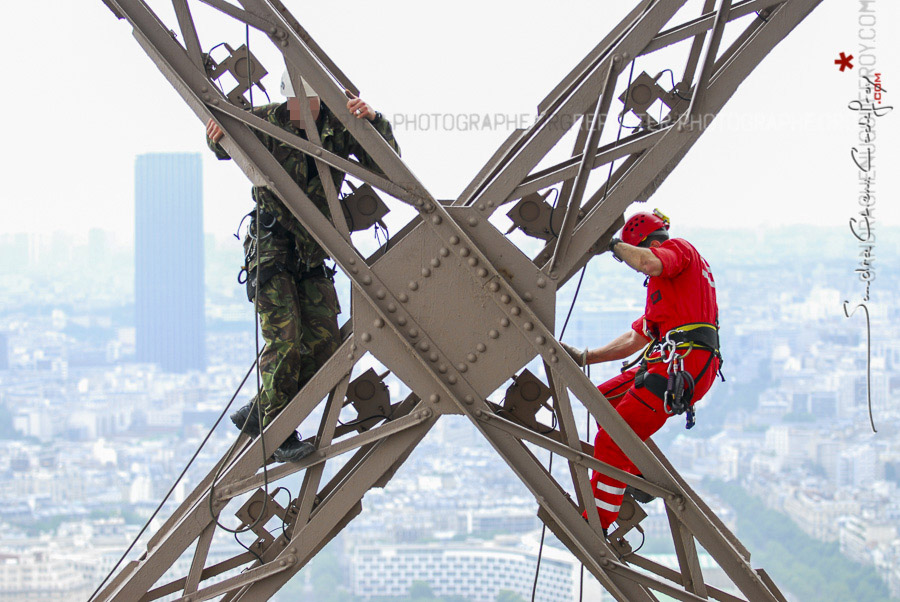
column 698, row 334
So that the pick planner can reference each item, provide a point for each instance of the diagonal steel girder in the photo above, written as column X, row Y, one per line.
column 389, row 321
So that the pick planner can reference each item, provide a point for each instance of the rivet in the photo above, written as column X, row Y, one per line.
column 367, row 279
column 481, row 347
column 426, row 413
column 273, row 30
column 435, row 262
column 473, row 222
column 494, row 287
column 444, row 251
column 318, row 152
column 401, row 321
column 540, row 340
column 469, row 399
column 454, row 240
column 424, row 346
column 478, row 413
column 426, row 272
column 481, row 272
column 293, row 550
column 553, row 351
column 451, row 379
column 434, row 398
column 403, row 297
column 528, row 296
column 680, row 127
column 429, row 207
column 490, row 203
column 461, row 367
column 366, row 337
column 215, row 101
column 554, row 275
column 354, row 270
column 504, row 322
column 616, row 58
column 515, row 311
column 464, row 252
column 472, row 358
column 379, row 323
column 436, row 220
column 282, row 563
column 473, row 261
column 418, row 202
column 349, row 356
column 605, row 562
column 413, row 285
column 381, row 294
column 442, row 368
column 505, row 298
column 353, row 347
column 391, row 307
column 554, row 359
column 207, row 97
column 204, row 89
column 284, row 43
column 413, row 333
column 493, row 334
column 433, row 356
column 526, row 325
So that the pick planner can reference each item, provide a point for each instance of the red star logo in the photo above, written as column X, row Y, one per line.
column 844, row 62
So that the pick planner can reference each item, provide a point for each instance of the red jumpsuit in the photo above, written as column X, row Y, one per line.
column 683, row 293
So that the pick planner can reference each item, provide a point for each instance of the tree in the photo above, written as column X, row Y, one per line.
column 420, row 589
column 505, row 595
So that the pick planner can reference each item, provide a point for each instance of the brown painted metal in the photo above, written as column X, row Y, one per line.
column 451, row 256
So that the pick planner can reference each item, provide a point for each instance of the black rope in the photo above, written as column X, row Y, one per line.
column 178, row 480
column 537, row 569
column 258, row 404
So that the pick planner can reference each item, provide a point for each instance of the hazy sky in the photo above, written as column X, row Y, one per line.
column 82, row 99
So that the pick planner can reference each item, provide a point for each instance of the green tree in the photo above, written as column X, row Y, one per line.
column 420, row 589
column 505, row 595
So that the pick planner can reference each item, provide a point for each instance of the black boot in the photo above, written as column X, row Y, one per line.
column 642, row 497
column 246, row 419
column 293, row 449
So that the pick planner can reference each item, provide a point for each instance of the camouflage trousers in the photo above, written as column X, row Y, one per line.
column 298, row 320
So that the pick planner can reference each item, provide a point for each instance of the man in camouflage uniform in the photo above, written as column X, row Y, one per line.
column 286, row 275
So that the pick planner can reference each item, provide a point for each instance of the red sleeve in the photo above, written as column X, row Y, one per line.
column 638, row 326
column 675, row 255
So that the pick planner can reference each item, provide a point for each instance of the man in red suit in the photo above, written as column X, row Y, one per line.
column 679, row 335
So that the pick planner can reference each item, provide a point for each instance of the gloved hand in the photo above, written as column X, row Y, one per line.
column 612, row 248
column 579, row 355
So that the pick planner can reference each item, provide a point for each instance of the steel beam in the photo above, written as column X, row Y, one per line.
column 390, row 321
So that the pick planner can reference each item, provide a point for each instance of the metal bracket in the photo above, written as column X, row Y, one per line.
column 524, row 398
column 363, row 208
column 370, row 397
column 533, row 215
column 243, row 67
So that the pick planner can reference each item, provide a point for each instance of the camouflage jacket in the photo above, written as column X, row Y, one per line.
column 294, row 242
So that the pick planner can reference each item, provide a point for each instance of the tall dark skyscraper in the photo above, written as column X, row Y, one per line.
column 168, row 241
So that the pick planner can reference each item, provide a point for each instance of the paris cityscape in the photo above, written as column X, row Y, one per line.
column 109, row 382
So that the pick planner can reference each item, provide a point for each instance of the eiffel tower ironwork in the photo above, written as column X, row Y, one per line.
column 453, row 307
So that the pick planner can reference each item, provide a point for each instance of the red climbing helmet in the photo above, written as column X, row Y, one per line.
column 641, row 224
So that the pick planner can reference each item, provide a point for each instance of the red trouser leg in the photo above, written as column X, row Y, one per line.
column 644, row 413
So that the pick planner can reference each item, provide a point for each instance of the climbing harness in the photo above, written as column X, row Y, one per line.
column 676, row 389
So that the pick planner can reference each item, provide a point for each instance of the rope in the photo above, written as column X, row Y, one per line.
column 537, row 569
column 178, row 480
column 259, row 413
